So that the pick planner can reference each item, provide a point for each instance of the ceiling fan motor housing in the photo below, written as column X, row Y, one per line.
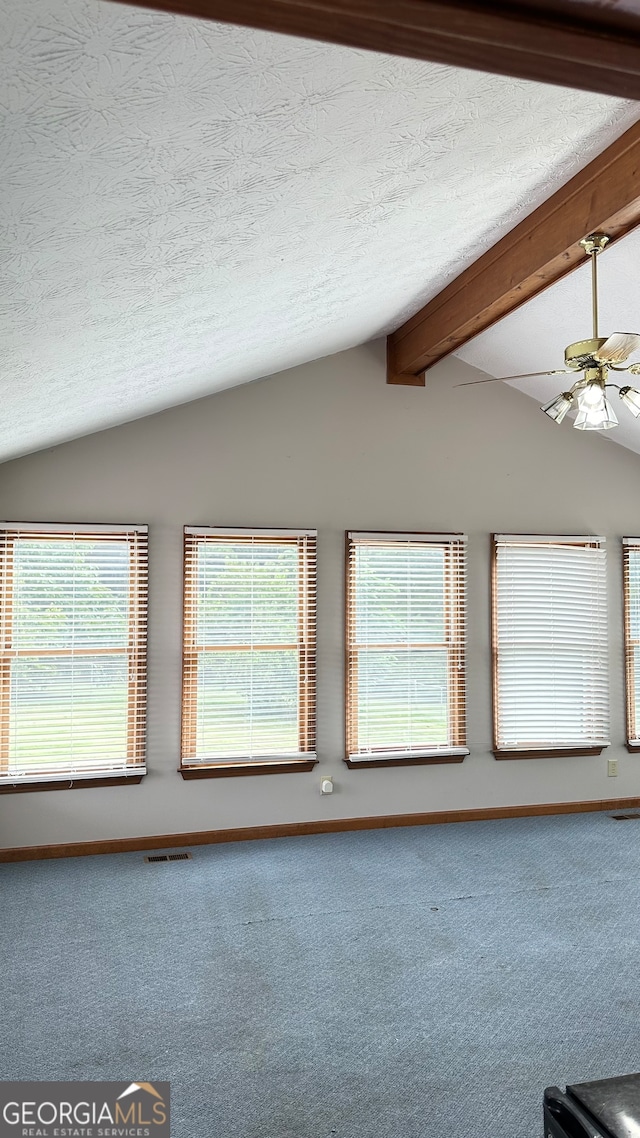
column 584, row 353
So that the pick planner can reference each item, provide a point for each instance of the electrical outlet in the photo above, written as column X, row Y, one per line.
column 612, row 767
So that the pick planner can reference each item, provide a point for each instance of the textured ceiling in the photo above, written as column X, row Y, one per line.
column 188, row 206
column 534, row 337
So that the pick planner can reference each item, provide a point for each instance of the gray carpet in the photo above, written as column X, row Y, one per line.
column 416, row 983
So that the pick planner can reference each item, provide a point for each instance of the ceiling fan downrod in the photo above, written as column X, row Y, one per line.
column 592, row 245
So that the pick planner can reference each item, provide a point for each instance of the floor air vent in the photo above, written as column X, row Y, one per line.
column 169, row 857
column 625, row 817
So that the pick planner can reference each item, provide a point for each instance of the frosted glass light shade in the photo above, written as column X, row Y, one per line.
column 592, row 398
column 557, row 407
column 595, row 411
column 596, row 418
column 631, row 399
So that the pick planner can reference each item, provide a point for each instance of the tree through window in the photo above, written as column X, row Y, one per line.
column 249, row 647
column 73, row 654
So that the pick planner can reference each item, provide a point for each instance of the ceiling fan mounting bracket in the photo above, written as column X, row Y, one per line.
column 584, row 353
column 594, row 243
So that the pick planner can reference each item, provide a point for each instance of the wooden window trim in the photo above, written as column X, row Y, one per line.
column 255, row 766
column 305, row 646
column 629, row 546
column 135, row 652
column 71, row 784
column 306, row 659
column 548, row 753
column 357, row 763
column 455, row 645
column 6, row 609
column 495, row 687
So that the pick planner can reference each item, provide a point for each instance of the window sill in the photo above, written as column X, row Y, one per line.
column 8, row 787
column 633, row 748
column 552, row 753
column 358, row 762
column 228, row 770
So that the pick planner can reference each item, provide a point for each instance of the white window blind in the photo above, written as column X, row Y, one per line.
column 249, row 691
column 405, row 645
column 550, row 643
column 73, row 627
column 631, row 568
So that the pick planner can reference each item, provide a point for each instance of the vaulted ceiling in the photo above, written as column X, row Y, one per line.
column 188, row 206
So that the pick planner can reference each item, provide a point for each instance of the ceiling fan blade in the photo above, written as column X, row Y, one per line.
column 504, row 378
column 618, row 347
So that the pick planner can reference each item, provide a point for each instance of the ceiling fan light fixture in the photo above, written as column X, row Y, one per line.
column 595, row 358
column 631, row 399
column 557, row 407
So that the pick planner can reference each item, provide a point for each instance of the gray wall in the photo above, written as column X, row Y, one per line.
column 329, row 445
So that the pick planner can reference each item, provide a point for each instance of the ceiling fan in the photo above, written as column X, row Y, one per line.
column 594, row 359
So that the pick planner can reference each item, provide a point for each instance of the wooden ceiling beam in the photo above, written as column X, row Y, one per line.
column 604, row 197
column 583, row 43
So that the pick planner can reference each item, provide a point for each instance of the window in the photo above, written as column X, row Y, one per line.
column 631, row 570
column 405, row 648
column 73, row 627
column 249, row 697
column 549, row 645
